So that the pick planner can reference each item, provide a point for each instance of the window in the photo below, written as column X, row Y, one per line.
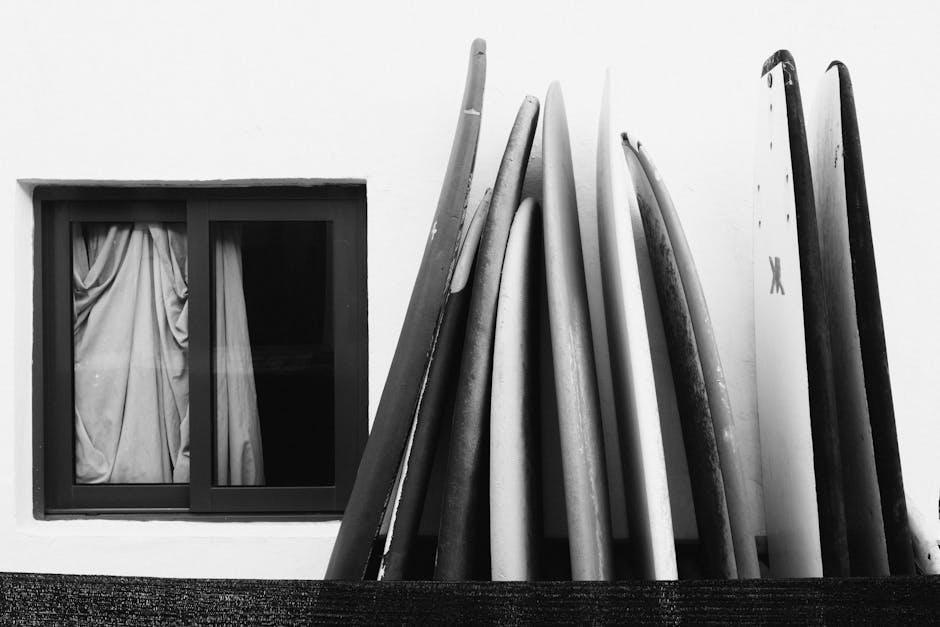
column 199, row 351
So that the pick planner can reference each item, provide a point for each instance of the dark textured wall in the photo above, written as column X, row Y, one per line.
column 57, row 599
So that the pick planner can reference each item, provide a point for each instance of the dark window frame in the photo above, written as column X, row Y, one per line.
column 55, row 207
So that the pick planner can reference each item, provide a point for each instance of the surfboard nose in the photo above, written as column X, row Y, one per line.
column 781, row 56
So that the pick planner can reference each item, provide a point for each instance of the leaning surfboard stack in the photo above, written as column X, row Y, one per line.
column 819, row 332
column 487, row 458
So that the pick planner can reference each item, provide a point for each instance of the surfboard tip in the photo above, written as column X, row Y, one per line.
column 781, row 56
column 478, row 46
column 845, row 80
column 531, row 100
column 630, row 140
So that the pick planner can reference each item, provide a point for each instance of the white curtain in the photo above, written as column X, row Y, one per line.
column 238, row 434
column 131, row 339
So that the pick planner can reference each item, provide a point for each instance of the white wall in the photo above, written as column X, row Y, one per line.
column 224, row 90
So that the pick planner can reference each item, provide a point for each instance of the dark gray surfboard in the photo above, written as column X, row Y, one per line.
column 698, row 434
column 719, row 402
column 378, row 468
column 876, row 509
column 462, row 545
column 435, row 406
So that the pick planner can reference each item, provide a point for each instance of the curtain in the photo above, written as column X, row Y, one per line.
column 238, row 433
column 131, row 339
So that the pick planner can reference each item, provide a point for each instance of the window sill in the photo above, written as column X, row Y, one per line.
column 184, row 515
column 182, row 525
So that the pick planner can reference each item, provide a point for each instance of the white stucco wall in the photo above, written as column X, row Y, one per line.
column 235, row 90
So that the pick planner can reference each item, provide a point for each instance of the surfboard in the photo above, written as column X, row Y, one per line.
column 638, row 421
column 719, row 401
column 864, row 524
column 515, row 521
column 876, row 510
column 433, row 409
column 802, row 475
column 462, row 535
column 579, row 420
column 378, row 467
column 698, row 435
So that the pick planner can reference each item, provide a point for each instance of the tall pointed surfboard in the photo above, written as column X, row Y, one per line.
column 579, row 419
column 462, row 535
column 378, row 468
column 433, row 409
column 876, row 511
column 802, row 474
column 719, row 401
column 641, row 440
column 515, row 521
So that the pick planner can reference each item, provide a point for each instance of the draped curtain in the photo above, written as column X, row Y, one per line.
column 131, row 340
column 238, row 433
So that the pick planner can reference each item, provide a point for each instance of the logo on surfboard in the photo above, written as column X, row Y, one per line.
column 775, row 285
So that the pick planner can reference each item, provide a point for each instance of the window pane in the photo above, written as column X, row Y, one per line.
column 273, row 353
column 130, row 342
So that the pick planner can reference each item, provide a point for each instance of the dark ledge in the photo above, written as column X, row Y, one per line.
column 58, row 599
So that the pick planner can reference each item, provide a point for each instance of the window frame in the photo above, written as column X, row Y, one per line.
column 55, row 209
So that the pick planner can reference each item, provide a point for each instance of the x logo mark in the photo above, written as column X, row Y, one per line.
column 775, row 284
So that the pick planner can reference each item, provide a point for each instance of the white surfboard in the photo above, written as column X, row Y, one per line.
column 645, row 482
column 579, row 423
column 514, row 517
column 791, row 511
